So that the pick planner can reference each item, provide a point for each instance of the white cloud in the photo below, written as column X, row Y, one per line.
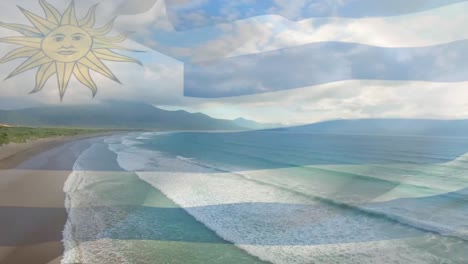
column 271, row 32
column 437, row 26
column 346, row 99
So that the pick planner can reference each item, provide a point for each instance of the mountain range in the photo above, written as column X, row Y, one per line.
column 131, row 115
column 254, row 125
column 118, row 115
column 417, row 127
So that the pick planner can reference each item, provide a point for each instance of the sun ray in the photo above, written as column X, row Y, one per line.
column 106, row 45
column 105, row 54
column 66, row 46
column 23, row 52
column 90, row 19
column 103, row 30
column 117, row 39
column 24, row 41
column 43, row 74
column 81, row 73
column 36, row 60
column 23, row 29
column 64, row 72
column 69, row 16
column 52, row 14
column 93, row 62
column 43, row 25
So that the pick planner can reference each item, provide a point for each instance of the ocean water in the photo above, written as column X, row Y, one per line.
column 277, row 197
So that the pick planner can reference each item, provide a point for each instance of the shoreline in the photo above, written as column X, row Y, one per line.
column 32, row 210
column 13, row 154
column 138, row 224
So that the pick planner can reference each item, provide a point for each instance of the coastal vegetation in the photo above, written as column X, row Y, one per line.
column 24, row 134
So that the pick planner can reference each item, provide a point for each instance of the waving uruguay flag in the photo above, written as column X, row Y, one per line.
column 285, row 196
column 249, row 47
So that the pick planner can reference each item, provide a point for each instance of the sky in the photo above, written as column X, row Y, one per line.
column 211, row 38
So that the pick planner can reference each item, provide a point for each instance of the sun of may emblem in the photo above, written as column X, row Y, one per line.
column 63, row 45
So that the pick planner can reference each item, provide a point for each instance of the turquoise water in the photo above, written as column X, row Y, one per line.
column 263, row 149
column 279, row 197
column 146, row 227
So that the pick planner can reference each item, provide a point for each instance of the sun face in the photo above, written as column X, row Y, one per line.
column 63, row 45
column 67, row 44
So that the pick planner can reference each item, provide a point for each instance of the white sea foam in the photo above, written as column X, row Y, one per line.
column 77, row 200
column 147, row 135
column 274, row 223
column 414, row 180
column 72, row 252
column 280, row 226
column 437, row 210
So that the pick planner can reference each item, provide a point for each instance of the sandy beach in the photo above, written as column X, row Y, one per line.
column 32, row 213
column 33, row 217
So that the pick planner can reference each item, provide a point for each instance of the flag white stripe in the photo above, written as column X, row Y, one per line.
column 346, row 99
column 259, row 34
column 412, row 30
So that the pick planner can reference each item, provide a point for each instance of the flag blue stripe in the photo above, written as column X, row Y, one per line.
column 324, row 62
column 187, row 15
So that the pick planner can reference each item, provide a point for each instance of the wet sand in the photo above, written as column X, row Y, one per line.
column 32, row 212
